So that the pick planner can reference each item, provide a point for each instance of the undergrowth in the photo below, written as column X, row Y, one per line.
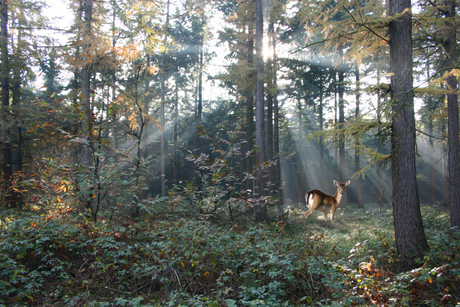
column 66, row 260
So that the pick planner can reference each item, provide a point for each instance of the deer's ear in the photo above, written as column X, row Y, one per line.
column 335, row 182
column 348, row 182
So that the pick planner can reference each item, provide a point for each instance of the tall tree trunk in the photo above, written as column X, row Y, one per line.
column 445, row 166
column 270, row 89
column 199, row 105
column 260, row 208
column 380, row 195
column 162, row 111
column 250, row 108
column 450, row 45
column 270, row 174
column 16, row 136
column 359, row 192
column 322, row 169
column 336, row 121
column 276, row 137
column 431, row 146
column 85, row 83
column 409, row 233
column 342, row 166
column 432, row 162
column 176, row 123
column 5, row 82
column 114, row 78
column 302, row 178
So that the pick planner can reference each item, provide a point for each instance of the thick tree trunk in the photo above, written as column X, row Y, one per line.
column 409, row 233
column 5, row 83
column 450, row 45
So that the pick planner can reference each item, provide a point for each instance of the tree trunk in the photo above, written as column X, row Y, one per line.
column 336, row 121
column 359, row 192
column 380, row 196
column 5, row 82
column 16, row 133
column 270, row 174
column 162, row 112
column 445, row 166
column 276, row 145
column 260, row 208
column 176, row 124
column 85, row 83
column 450, row 45
column 198, row 109
column 322, row 169
column 430, row 109
column 342, row 166
column 250, row 109
column 409, row 233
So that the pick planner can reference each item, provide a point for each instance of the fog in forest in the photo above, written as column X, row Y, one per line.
column 173, row 85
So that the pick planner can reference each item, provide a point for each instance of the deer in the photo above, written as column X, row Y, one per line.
column 317, row 200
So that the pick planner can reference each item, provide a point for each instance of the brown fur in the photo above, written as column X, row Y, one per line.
column 323, row 202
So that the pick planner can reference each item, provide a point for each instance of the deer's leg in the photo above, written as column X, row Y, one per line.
column 309, row 212
column 332, row 216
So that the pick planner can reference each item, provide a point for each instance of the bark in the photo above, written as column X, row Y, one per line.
column 85, row 83
column 380, row 195
column 162, row 113
column 260, row 209
column 336, row 120
column 199, row 106
column 359, row 193
column 445, row 167
column 409, row 233
column 342, row 166
column 276, row 145
column 322, row 169
column 176, row 124
column 270, row 175
column 431, row 146
column 450, row 45
column 5, row 96
column 16, row 133
column 250, row 109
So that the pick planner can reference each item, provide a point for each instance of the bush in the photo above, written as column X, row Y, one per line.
column 65, row 260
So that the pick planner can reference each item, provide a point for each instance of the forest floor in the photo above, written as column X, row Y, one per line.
column 61, row 259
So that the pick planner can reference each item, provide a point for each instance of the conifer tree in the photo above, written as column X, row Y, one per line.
column 450, row 46
column 260, row 209
column 5, row 86
column 409, row 232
